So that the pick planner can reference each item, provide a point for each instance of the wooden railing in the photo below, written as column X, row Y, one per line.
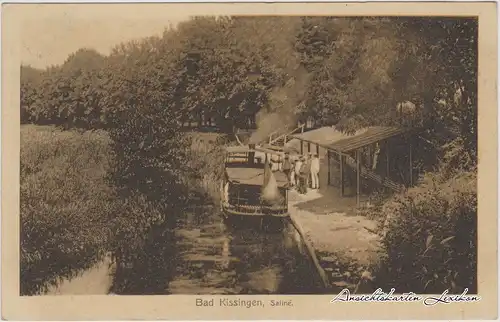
column 271, row 135
column 386, row 182
column 284, row 136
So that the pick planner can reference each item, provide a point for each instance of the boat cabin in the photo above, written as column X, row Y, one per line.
column 244, row 182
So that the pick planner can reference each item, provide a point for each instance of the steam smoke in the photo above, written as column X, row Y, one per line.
column 284, row 104
column 270, row 193
column 269, row 122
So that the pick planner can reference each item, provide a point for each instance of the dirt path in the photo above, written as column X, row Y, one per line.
column 345, row 243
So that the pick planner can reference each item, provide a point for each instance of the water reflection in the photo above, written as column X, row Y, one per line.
column 211, row 257
column 218, row 258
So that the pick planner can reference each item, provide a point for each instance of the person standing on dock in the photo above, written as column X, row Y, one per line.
column 315, row 172
column 307, row 170
column 287, row 168
column 298, row 166
column 274, row 163
column 303, row 176
column 292, row 172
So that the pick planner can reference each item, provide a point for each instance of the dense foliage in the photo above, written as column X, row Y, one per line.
column 431, row 239
column 351, row 72
column 235, row 71
column 66, row 204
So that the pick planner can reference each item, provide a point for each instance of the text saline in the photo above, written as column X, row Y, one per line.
column 281, row 303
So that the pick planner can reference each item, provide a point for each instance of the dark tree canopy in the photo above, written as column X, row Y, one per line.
column 234, row 71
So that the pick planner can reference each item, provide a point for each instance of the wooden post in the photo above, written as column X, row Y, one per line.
column 369, row 159
column 329, row 165
column 387, row 158
column 358, row 168
column 411, row 167
column 309, row 147
column 341, row 157
column 301, row 147
column 317, row 150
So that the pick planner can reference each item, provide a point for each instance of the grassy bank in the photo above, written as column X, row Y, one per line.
column 71, row 215
column 66, row 205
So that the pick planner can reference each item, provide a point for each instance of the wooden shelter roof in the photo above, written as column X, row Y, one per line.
column 332, row 139
column 322, row 136
column 372, row 135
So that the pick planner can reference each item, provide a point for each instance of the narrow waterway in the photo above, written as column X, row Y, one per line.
column 204, row 255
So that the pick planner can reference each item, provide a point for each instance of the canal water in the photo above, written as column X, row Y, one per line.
column 204, row 255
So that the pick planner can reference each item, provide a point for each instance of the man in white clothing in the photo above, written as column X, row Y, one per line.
column 315, row 172
column 292, row 173
column 298, row 166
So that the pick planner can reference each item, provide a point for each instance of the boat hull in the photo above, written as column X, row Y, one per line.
column 254, row 220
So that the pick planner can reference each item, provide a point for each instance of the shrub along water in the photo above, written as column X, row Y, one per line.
column 146, row 251
column 430, row 242
column 66, row 204
column 72, row 214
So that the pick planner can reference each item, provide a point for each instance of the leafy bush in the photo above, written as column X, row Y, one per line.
column 66, row 205
column 71, row 215
column 431, row 238
column 156, row 190
column 206, row 158
column 140, row 224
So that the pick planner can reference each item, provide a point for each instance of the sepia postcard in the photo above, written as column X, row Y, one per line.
column 228, row 161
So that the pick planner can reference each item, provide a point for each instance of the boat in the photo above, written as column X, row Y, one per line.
column 248, row 178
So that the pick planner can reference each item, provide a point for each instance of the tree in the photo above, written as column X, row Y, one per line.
column 350, row 59
column 84, row 59
column 444, row 75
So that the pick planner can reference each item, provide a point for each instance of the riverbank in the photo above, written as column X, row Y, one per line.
column 96, row 280
column 345, row 243
column 65, row 188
